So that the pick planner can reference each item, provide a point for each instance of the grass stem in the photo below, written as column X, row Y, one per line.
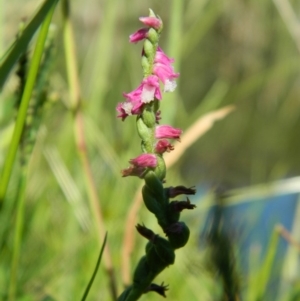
column 17, row 236
column 32, row 74
column 75, row 95
column 85, row 294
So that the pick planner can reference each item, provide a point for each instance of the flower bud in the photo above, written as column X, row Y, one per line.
column 151, row 22
column 160, row 170
column 149, row 49
column 143, row 131
column 167, row 132
column 154, row 184
column 144, row 160
column 146, row 65
column 134, row 171
column 152, row 36
column 163, row 146
column 148, row 117
column 139, row 35
column 152, row 204
column 178, row 234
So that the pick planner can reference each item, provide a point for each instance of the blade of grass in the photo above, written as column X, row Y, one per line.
column 99, row 81
column 170, row 104
column 68, row 186
column 32, row 73
column 80, row 139
column 17, row 236
column 212, row 100
column 193, row 36
column 17, row 48
column 86, row 292
column 290, row 266
column 265, row 273
column 2, row 3
column 290, row 19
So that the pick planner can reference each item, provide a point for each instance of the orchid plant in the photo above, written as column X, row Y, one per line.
column 144, row 102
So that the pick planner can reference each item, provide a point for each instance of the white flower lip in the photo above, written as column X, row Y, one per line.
column 147, row 93
column 170, row 86
column 127, row 106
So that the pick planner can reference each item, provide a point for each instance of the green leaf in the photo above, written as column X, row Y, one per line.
column 22, row 112
column 20, row 44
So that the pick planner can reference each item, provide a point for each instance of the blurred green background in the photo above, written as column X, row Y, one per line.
column 234, row 52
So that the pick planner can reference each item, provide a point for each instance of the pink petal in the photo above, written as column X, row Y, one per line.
column 151, row 89
column 167, row 132
column 163, row 146
column 144, row 160
column 164, row 72
column 161, row 57
column 139, row 35
column 133, row 171
column 122, row 112
column 151, row 22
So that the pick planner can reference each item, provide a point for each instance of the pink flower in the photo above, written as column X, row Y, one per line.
column 151, row 22
column 163, row 146
column 139, row 35
column 134, row 171
column 142, row 33
column 140, row 165
column 146, row 92
column 164, row 70
column 161, row 57
column 121, row 109
column 167, row 132
column 129, row 108
column 151, row 89
column 167, row 75
column 144, row 160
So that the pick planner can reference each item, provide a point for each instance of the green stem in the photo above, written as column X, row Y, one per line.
column 175, row 32
column 70, row 56
column 12, row 54
column 75, row 95
column 32, row 73
column 86, row 292
column 2, row 5
column 105, row 45
column 267, row 265
column 18, row 235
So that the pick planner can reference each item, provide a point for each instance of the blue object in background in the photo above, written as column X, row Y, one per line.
column 250, row 219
